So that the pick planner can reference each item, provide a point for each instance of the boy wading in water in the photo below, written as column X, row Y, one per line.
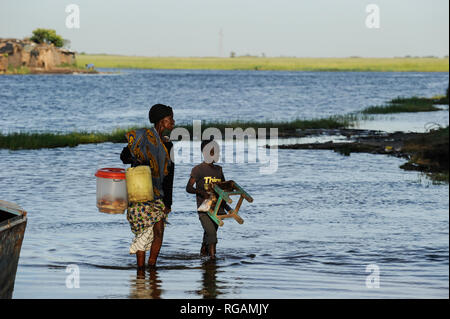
column 202, row 176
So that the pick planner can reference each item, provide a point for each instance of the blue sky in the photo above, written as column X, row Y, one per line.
column 319, row 28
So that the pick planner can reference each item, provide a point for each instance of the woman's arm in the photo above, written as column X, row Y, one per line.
column 126, row 156
column 168, row 186
column 168, row 180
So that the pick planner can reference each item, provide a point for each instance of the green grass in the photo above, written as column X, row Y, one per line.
column 19, row 70
column 71, row 66
column 16, row 141
column 332, row 122
column 404, row 105
column 438, row 178
column 260, row 63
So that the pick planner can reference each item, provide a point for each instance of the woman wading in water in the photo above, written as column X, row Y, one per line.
column 151, row 147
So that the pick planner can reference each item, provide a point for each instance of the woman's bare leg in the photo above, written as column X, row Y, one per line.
column 158, row 233
column 140, row 257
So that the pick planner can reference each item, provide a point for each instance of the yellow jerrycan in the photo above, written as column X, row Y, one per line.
column 139, row 184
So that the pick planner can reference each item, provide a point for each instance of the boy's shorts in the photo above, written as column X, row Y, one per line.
column 209, row 227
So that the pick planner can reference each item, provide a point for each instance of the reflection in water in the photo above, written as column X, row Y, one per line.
column 141, row 287
column 209, row 280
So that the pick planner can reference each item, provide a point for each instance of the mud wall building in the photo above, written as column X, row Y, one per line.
column 25, row 53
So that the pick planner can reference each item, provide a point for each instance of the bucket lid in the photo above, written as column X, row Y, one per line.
column 111, row 172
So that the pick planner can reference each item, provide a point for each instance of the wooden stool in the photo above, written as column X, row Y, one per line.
column 224, row 190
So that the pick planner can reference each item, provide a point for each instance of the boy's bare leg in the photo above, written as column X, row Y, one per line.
column 158, row 232
column 212, row 251
column 204, row 250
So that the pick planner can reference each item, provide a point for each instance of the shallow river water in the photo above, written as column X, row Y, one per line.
column 314, row 227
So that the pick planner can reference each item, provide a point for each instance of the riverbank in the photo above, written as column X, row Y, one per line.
column 425, row 152
column 265, row 63
column 64, row 71
column 56, row 70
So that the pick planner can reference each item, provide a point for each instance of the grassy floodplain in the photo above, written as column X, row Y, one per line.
column 407, row 105
column 26, row 140
column 262, row 63
column 29, row 141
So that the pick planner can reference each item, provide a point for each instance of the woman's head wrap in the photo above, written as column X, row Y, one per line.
column 158, row 112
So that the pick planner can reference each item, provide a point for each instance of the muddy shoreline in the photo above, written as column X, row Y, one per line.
column 62, row 71
column 28, row 71
column 424, row 152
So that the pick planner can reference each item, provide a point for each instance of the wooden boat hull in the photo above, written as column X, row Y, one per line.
column 13, row 222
